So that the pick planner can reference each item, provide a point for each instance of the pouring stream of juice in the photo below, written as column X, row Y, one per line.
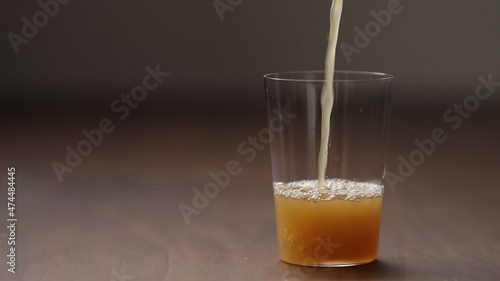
column 327, row 94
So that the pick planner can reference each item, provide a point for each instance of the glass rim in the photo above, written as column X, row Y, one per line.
column 275, row 76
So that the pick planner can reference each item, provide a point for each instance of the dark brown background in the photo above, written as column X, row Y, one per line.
column 117, row 213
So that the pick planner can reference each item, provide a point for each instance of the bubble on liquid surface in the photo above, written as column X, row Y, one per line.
column 334, row 189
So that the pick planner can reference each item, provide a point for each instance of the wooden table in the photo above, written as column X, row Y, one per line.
column 116, row 216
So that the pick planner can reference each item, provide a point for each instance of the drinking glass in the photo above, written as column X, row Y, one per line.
column 337, row 224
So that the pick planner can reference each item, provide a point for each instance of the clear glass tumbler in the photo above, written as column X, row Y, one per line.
column 337, row 224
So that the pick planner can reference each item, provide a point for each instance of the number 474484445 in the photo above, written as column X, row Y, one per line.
column 11, row 191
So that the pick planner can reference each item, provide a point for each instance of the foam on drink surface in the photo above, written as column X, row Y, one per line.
column 334, row 189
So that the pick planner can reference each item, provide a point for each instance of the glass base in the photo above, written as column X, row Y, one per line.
column 331, row 264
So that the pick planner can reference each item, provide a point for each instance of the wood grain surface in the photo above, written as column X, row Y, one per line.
column 116, row 216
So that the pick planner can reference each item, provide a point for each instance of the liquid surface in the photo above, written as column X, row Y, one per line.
column 327, row 93
column 333, row 226
column 332, row 189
